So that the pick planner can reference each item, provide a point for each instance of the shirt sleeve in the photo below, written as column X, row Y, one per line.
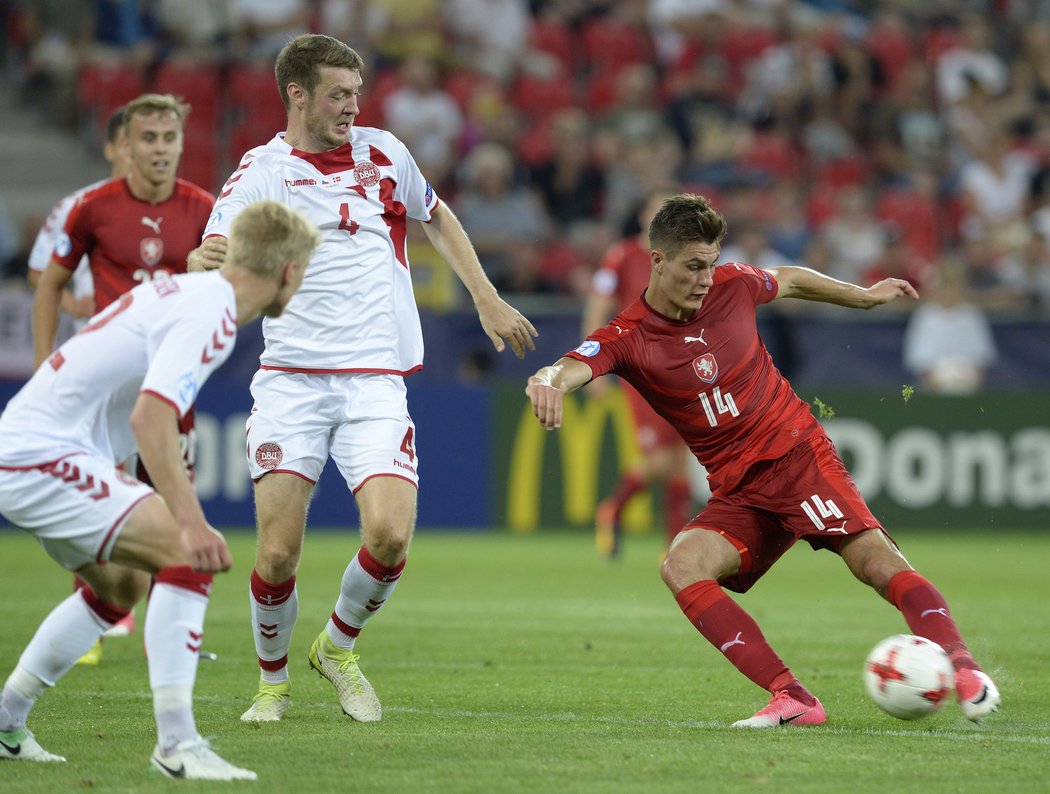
column 44, row 244
column 251, row 182
column 184, row 351
column 76, row 238
column 413, row 190
column 760, row 283
column 603, row 351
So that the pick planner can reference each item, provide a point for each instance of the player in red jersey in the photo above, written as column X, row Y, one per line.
column 131, row 228
column 623, row 275
column 690, row 345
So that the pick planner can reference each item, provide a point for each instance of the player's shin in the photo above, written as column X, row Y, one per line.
column 927, row 615
column 726, row 625
column 366, row 586
column 275, row 609
column 67, row 633
column 173, row 633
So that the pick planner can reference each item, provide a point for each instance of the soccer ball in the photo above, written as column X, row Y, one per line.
column 908, row 676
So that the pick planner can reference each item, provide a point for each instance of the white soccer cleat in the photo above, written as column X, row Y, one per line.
column 977, row 693
column 339, row 666
column 195, row 760
column 21, row 745
column 269, row 704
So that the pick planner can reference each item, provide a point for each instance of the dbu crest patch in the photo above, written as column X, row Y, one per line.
column 269, row 455
column 367, row 174
column 706, row 368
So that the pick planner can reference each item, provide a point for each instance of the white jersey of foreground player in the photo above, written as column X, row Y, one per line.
column 356, row 311
column 165, row 337
column 49, row 235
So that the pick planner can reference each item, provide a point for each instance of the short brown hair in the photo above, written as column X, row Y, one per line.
column 148, row 104
column 300, row 60
column 683, row 219
column 267, row 235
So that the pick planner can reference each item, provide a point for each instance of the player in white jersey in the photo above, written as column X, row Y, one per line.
column 119, row 385
column 332, row 376
column 79, row 301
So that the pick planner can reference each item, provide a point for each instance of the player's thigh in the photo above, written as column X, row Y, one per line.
column 290, row 426
column 757, row 538
column 151, row 538
column 281, row 503
column 77, row 508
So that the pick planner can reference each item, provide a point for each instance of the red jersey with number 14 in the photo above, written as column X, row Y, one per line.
column 128, row 240
column 709, row 376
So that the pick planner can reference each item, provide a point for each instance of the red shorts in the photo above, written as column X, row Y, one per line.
column 806, row 494
column 651, row 429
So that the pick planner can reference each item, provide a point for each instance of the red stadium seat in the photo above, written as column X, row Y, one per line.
column 554, row 37
column 196, row 85
column 101, row 89
column 538, row 97
column 772, row 154
column 200, row 160
column 464, row 84
column 917, row 218
column 610, row 43
column 843, row 171
column 820, row 205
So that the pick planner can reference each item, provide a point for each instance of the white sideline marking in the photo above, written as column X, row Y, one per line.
column 976, row 735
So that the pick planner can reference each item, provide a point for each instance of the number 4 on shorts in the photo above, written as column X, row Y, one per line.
column 408, row 446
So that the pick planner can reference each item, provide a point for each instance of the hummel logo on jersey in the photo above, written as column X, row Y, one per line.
column 942, row 612
column 696, row 338
column 732, row 642
column 153, row 224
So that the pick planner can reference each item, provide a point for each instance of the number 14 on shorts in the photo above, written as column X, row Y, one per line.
column 819, row 509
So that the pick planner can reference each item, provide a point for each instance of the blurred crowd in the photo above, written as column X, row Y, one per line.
column 864, row 139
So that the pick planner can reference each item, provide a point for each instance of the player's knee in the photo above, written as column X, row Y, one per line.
column 125, row 590
column 389, row 549
column 276, row 559
column 697, row 554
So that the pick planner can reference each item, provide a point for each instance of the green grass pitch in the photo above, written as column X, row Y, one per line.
column 528, row 664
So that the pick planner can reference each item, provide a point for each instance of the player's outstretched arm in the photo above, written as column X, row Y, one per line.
column 549, row 385
column 155, row 424
column 46, row 304
column 209, row 255
column 802, row 282
column 500, row 320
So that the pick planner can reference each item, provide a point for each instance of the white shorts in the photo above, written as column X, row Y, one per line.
column 360, row 419
column 75, row 507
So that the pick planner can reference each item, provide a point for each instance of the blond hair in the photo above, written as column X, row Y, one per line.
column 266, row 236
column 148, row 104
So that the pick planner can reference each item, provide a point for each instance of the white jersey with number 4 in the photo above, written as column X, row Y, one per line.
column 355, row 311
column 165, row 337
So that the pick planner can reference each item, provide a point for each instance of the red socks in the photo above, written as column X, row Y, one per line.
column 730, row 629
column 926, row 613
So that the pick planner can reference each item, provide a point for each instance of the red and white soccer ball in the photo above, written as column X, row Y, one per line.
column 908, row 676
